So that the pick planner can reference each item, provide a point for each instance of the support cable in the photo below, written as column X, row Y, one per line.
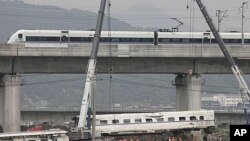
column 110, row 54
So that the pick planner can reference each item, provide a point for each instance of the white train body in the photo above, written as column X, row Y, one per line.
column 64, row 38
column 59, row 38
column 154, row 122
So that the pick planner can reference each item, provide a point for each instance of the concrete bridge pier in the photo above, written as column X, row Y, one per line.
column 188, row 92
column 10, row 103
column 1, row 108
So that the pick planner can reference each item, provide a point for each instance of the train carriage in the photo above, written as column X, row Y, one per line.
column 64, row 38
column 154, row 122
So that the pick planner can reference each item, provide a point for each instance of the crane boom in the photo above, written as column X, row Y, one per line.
column 244, row 90
column 91, row 68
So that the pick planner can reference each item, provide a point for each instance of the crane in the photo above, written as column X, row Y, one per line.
column 90, row 78
column 244, row 90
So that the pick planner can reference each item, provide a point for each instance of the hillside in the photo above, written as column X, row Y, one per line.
column 148, row 89
column 66, row 90
column 16, row 15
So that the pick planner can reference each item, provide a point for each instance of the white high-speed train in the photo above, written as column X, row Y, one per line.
column 57, row 38
column 153, row 122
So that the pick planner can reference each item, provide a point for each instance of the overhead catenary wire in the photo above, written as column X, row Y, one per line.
column 111, row 96
column 118, row 80
column 160, row 86
column 68, row 19
column 104, row 78
column 171, row 82
column 132, row 17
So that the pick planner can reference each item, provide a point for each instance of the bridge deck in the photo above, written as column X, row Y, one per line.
column 171, row 59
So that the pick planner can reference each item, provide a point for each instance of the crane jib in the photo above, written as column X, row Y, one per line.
column 243, row 86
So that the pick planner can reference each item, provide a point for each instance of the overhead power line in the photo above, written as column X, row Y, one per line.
column 118, row 80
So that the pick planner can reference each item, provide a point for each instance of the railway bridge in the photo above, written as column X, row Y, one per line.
column 188, row 62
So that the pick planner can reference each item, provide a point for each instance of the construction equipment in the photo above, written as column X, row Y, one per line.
column 244, row 90
column 90, row 78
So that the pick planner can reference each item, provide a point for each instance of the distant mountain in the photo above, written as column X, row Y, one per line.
column 56, row 90
column 66, row 90
column 16, row 15
column 147, row 15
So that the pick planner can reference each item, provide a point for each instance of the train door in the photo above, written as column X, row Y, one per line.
column 206, row 38
column 64, row 37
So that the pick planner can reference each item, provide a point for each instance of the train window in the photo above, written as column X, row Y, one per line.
column 160, row 119
column 42, row 39
column 124, row 40
column 103, row 122
column 226, row 40
column 196, row 40
column 193, row 118
column 182, row 118
column 108, row 39
column 149, row 120
column 20, row 36
column 80, row 39
column 175, row 40
column 149, row 40
column 137, row 120
column 213, row 41
column 115, row 121
column 171, row 119
column 201, row 117
column 127, row 40
column 164, row 40
column 104, row 39
column 115, row 39
column 135, row 39
column 234, row 40
column 30, row 38
column 185, row 40
column 126, row 121
column 52, row 39
column 247, row 40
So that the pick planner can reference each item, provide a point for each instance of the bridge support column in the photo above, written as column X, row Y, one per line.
column 10, row 95
column 1, row 107
column 188, row 92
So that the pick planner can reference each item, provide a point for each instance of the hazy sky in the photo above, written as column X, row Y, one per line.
column 124, row 4
column 173, row 8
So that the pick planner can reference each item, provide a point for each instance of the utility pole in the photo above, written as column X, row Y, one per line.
column 218, row 14
column 242, row 23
